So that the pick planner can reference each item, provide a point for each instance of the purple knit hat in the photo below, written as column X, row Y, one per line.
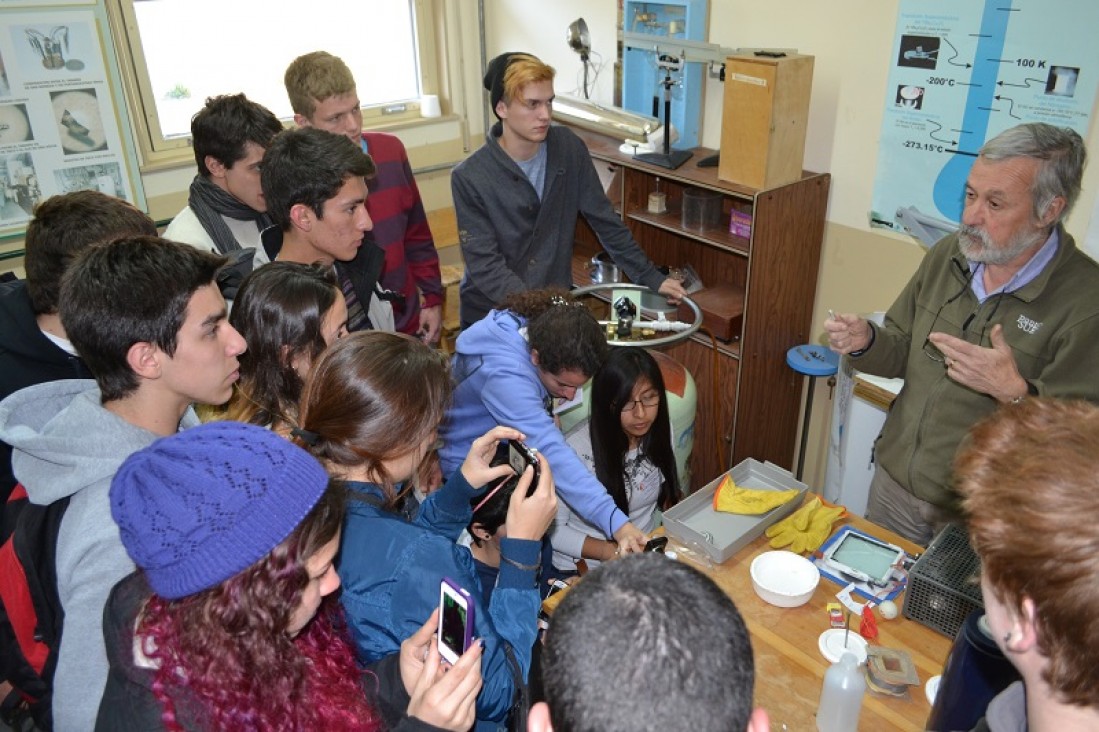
column 200, row 506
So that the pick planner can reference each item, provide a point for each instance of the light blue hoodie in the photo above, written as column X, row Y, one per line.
column 497, row 384
column 64, row 443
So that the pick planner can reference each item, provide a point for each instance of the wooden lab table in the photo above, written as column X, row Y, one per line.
column 790, row 668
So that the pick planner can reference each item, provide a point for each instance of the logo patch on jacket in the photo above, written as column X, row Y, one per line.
column 1027, row 325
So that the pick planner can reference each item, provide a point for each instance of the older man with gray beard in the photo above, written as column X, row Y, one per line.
column 1003, row 309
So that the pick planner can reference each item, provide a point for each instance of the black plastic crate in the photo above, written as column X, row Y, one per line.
column 941, row 589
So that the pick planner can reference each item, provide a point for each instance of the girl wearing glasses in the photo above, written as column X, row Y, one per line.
column 627, row 443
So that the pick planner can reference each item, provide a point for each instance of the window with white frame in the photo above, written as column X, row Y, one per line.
column 179, row 52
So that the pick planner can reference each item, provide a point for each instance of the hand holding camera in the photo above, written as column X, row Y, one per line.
column 477, row 468
column 533, row 506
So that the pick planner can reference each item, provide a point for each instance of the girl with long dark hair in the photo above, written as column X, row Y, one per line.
column 287, row 313
column 229, row 624
column 627, row 443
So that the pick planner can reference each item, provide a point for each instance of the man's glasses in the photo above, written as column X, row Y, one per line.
column 647, row 401
column 930, row 349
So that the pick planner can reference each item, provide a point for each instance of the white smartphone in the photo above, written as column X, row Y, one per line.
column 455, row 620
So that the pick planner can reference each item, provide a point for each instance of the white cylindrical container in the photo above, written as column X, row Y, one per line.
column 429, row 106
column 841, row 696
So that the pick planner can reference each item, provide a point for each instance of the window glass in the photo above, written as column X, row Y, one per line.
column 194, row 49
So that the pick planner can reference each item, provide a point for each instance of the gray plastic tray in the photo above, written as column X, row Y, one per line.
column 721, row 535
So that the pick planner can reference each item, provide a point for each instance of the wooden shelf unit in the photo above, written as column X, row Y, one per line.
column 758, row 396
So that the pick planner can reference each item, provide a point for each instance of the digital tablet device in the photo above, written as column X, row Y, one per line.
column 864, row 558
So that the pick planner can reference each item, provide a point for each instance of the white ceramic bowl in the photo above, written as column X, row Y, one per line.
column 783, row 578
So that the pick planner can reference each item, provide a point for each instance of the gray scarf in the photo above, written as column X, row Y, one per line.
column 210, row 203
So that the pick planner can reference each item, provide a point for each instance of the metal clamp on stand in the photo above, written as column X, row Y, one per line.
column 629, row 324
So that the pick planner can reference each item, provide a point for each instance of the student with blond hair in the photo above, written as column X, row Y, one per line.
column 323, row 94
column 518, row 196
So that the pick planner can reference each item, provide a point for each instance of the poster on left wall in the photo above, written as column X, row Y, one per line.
column 61, row 114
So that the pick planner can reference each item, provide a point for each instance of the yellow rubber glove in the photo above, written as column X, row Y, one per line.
column 805, row 529
column 732, row 498
column 791, row 528
column 820, row 526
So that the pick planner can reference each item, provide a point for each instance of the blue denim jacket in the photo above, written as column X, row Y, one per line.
column 391, row 570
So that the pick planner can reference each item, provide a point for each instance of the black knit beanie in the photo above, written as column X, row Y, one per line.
column 494, row 76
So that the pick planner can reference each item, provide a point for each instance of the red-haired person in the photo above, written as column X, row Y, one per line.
column 1029, row 477
column 229, row 624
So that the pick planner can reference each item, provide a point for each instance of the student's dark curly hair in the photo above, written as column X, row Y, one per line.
column 563, row 332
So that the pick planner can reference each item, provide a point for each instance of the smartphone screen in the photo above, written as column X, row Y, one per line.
column 455, row 621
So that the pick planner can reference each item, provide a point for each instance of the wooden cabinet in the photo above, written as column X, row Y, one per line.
column 749, row 400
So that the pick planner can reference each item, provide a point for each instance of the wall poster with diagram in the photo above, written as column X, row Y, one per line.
column 62, row 115
column 962, row 71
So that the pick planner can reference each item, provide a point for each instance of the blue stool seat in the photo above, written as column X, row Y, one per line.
column 813, row 360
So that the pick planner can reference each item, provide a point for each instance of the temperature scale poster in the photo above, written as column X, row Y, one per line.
column 962, row 71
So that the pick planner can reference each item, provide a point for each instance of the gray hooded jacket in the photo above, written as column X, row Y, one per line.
column 64, row 443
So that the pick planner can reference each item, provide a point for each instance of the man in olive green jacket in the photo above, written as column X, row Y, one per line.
column 1003, row 309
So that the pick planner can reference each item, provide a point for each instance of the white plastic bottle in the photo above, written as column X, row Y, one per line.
column 841, row 696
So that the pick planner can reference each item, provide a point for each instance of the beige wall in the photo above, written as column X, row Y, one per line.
column 862, row 269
